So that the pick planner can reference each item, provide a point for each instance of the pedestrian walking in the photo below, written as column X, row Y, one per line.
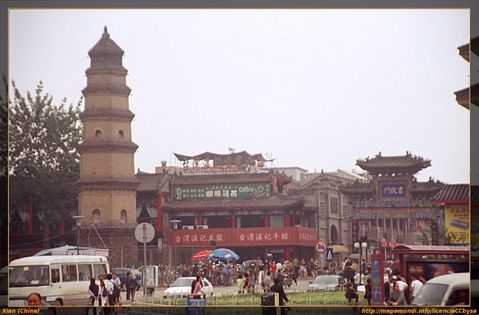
column 93, row 291
column 131, row 287
column 110, row 287
column 116, row 288
column 351, row 291
column 416, row 285
column 103, row 297
column 369, row 291
column 240, row 282
column 267, row 281
column 278, row 288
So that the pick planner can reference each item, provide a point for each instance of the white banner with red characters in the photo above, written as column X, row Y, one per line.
column 243, row 237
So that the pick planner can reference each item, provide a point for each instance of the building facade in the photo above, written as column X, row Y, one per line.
column 226, row 201
column 323, row 196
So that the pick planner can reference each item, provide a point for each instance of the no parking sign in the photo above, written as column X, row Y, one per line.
column 321, row 246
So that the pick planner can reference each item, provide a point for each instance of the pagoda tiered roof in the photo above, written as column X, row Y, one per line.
column 105, row 46
column 405, row 164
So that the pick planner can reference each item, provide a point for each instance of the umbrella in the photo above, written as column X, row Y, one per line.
column 339, row 249
column 224, row 254
column 201, row 255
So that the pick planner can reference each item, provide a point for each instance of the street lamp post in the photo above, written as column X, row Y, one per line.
column 360, row 246
column 77, row 219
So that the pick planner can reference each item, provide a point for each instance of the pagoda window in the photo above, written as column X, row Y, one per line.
column 96, row 216
column 97, row 133
column 121, row 134
column 123, row 216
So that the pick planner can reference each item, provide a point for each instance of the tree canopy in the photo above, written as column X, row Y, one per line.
column 44, row 162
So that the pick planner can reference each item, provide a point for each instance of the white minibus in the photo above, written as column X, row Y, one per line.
column 67, row 277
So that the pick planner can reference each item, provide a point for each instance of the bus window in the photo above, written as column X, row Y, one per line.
column 100, row 270
column 84, row 272
column 22, row 276
column 55, row 274
column 69, row 273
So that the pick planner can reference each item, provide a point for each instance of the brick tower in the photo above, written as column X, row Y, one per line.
column 107, row 197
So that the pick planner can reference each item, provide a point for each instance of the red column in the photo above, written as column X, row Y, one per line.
column 287, row 253
column 233, row 221
column 30, row 216
column 200, row 220
column 287, row 220
column 159, row 211
column 266, row 220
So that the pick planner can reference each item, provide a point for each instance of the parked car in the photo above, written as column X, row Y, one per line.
column 325, row 283
column 181, row 288
column 447, row 290
column 122, row 272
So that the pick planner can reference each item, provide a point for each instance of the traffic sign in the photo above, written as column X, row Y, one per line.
column 144, row 232
column 321, row 246
column 329, row 254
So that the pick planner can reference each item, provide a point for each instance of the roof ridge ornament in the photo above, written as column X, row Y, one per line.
column 105, row 32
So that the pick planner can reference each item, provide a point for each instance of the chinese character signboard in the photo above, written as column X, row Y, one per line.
column 392, row 190
column 457, row 223
column 377, row 279
column 243, row 237
column 222, row 191
column 197, row 238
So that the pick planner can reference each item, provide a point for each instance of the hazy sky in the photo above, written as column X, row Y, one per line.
column 317, row 89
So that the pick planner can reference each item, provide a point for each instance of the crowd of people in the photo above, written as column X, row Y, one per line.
column 107, row 293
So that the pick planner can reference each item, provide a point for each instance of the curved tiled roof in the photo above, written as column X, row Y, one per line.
column 456, row 192
column 357, row 187
column 151, row 182
column 380, row 164
column 427, row 187
column 273, row 202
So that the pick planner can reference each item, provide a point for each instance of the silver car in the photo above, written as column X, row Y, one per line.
column 181, row 288
column 325, row 283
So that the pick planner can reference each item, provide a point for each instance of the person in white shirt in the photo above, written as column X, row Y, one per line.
column 402, row 284
column 416, row 285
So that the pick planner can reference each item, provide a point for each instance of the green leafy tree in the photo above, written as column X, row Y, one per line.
column 43, row 154
column 3, row 174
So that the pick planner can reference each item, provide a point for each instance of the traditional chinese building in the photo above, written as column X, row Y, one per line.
column 393, row 207
column 229, row 201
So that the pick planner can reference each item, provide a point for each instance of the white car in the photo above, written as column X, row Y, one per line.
column 447, row 290
column 181, row 288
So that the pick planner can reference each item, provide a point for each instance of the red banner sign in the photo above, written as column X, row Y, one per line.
column 243, row 237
